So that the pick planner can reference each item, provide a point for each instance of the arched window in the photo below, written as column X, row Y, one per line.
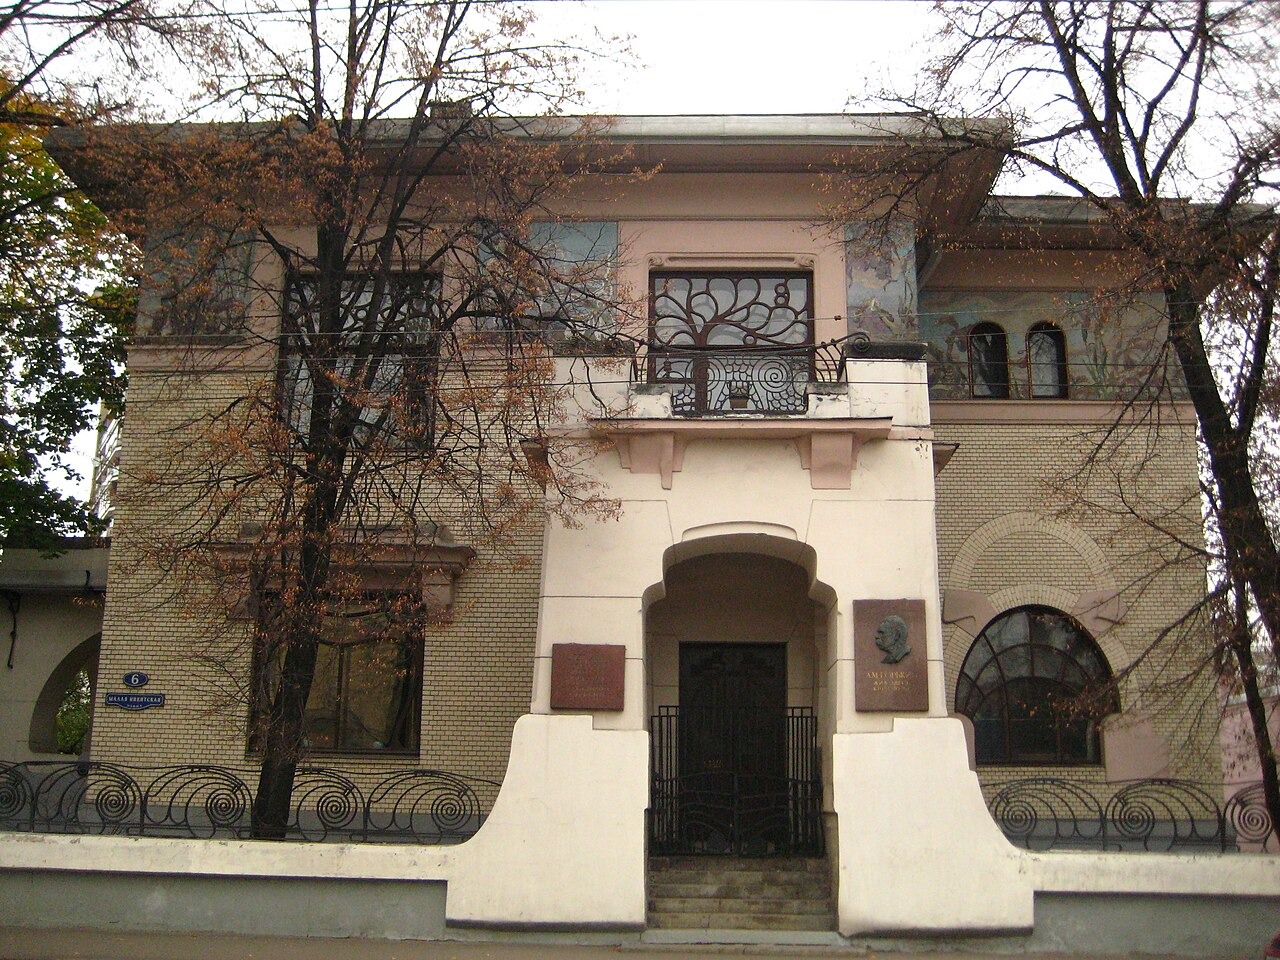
column 1047, row 361
column 988, row 361
column 1035, row 686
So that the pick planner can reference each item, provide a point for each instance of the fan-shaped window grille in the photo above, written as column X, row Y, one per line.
column 1035, row 686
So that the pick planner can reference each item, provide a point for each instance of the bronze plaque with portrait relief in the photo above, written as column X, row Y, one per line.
column 889, row 660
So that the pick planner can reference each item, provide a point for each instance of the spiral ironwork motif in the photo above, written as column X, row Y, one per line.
column 1044, row 812
column 197, row 800
column 1165, row 812
column 1133, row 816
column 857, row 343
column 775, row 373
column 1016, row 816
column 1248, row 816
column 328, row 799
column 224, row 806
column 453, row 808
column 15, row 794
column 115, row 794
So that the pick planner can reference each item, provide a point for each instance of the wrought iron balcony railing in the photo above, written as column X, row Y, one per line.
column 774, row 380
column 718, row 381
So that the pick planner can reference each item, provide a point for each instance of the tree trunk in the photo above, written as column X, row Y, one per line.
column 283, row 747
column 1242, row 523
column 1242, row 647
column 320, row 514
column 1252, row 558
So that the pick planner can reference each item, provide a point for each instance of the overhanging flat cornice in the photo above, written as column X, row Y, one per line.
column 803, row 143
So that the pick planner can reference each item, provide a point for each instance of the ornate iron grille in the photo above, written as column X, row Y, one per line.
column 732, row 342
column 199, row 800
column 1046, row 813
column 727, row 812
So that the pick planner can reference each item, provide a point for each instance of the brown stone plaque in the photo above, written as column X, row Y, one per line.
column 587, row 676
column 889, row 660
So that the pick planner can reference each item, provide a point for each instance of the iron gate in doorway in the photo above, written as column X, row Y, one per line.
column 760, row 795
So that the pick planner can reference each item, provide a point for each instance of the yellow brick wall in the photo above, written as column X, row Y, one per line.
column 1020, row 522
column 165, row 617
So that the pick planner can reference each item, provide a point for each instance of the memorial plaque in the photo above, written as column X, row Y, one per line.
column 889, row 659
column 587, row 676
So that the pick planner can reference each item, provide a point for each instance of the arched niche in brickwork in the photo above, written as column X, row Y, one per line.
column 967, row 607
column 961, row 571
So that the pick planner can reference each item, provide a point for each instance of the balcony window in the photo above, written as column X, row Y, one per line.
column 989, row 361
column 731, row 342
column 1047, row 362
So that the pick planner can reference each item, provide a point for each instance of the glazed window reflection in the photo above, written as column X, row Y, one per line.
column 367, row 689
column 1035, row 685
column 1047, row 361
column 989, row 361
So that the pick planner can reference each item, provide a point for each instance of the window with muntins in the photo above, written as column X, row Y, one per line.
column 377, row 346
column 1035, row 685
column 366, row 694
column 732, row 341
column 989, row 361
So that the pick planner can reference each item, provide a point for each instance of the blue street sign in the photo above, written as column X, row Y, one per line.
column 135, row 701
column 136, row 678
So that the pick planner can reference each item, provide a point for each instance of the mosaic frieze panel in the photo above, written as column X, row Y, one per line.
column 880, row 281
column 1110, row 347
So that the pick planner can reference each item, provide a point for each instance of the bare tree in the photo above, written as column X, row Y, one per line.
column 378, row 233
column 1163, row 117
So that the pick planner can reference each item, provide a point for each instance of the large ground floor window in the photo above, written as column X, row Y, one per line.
column 366, row 693
column 1035, row 685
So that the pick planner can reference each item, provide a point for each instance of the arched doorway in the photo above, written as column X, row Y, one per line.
column 74, row 678
column 734, row 655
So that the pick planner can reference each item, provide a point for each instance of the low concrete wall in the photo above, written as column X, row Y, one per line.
column 563, row 848
column 1163, row 874
column 1187, row 926
column 1211, row 926
column 287, row 906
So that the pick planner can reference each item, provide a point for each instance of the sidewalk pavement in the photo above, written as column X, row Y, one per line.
column 17, row 943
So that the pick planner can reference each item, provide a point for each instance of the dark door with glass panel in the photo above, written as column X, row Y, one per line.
column 732, row 752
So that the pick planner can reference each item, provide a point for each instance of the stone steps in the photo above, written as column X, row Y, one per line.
column 762, row 890
column 738, row 905
column 739, row 921
column 723, row 893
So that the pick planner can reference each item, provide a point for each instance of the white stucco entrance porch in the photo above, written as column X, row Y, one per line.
column 758, row 530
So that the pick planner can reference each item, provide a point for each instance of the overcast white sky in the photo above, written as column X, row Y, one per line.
column 746, row 56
